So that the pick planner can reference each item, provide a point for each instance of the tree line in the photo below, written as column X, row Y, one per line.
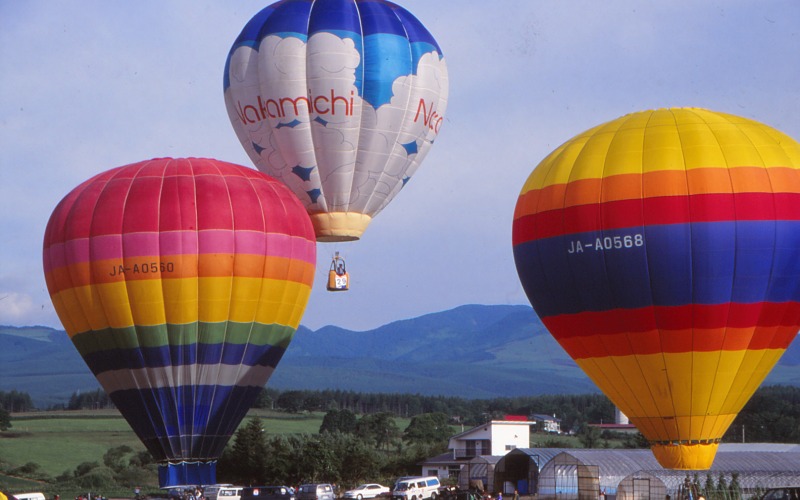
column 771, row 415
column 348, row 450
column 16, row 401
column 571, row 409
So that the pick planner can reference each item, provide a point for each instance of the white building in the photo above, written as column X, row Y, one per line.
column 546, row 423
column 497, row 438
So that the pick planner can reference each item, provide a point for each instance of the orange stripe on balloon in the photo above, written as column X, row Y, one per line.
column 677, row 341
column 179, row 267
column 661, row 183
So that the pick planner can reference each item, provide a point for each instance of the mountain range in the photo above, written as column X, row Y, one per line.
column 472, row 351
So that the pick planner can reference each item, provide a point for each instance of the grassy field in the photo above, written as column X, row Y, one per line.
column 60, row 441
column 58, row 444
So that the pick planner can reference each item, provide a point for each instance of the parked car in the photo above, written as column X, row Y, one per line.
column 370, row 490
column 786, row 493
column 416, row 488
column 315, row 491
column 267, row 493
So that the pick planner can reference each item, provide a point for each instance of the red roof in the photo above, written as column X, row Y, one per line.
column 516, row 418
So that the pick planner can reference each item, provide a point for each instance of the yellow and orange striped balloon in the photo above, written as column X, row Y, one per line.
column 662, row 251
column 181, row 283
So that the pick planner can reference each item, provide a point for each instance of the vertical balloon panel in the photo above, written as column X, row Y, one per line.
column 339, row 99
column 661, row 250
column 181, row 282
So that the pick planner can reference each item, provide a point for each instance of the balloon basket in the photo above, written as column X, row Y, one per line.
column 187, row 473
column 338, row 278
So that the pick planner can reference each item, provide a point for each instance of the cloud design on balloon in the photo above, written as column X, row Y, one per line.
column 300, row 111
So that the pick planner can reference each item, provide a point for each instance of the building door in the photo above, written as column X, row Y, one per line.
column 641, row 489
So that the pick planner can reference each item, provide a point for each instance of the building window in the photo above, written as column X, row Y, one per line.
column 510, row 447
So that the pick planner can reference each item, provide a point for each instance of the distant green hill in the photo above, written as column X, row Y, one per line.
column 472, row 351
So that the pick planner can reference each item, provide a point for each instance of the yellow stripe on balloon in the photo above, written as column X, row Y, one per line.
column 286, row 296
column 708, row 376
column 273, row 305
column 684, row 428
column 71, row 317
column 705, row 140
column 84, row 307
column 745, row 383
column 633, row 393
column 211, row 300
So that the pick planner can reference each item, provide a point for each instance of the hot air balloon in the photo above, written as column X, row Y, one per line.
column 339, row 99
column 181, row 283
column 662, row 251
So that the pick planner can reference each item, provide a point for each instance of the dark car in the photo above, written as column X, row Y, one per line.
column 315, row 491
column 451, row 493
column 267, row 493
column 785, row 493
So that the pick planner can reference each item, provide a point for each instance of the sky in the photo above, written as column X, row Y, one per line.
column 91, row 85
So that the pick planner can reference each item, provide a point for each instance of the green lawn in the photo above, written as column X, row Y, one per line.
column 60, row 444
column 60, row 441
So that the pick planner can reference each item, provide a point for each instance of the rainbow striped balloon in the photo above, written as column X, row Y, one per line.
column 181, row 283
column 662, row 251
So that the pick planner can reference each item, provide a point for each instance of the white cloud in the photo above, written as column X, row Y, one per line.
column 19, row 309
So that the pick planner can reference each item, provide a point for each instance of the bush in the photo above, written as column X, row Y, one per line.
column 30, row 470
column 98, row 478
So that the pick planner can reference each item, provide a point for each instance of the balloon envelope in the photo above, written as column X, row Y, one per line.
column 339, row 99
column 181, row 283
column 662, row 251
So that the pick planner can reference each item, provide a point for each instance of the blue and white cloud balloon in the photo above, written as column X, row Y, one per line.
column 339, row 99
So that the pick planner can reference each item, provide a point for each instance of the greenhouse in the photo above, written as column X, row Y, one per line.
column 481, row 469
column 521, row 467
column 628, row 474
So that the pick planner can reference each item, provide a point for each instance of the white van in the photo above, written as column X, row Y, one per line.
column 416, row 488
column 230, row 493
column 210, row 491
column 29, row 496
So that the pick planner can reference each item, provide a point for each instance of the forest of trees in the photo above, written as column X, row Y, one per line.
column 572, row 409
column 91, row 400
column 15, row 401
column 771, row 415
column 348, row 450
